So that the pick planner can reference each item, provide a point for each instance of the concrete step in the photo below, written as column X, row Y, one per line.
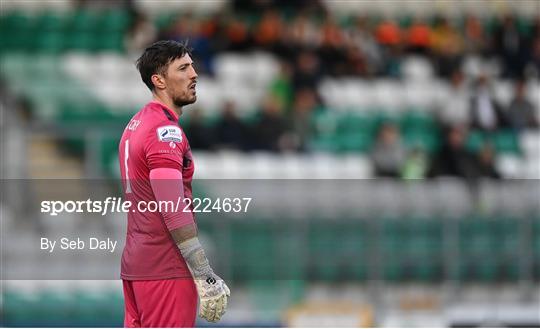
column 47, row 161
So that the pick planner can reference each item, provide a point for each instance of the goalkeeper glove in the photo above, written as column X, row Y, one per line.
column 213, row 295
column 212, row 290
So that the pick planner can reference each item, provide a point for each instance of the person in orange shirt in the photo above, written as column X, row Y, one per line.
column 388, row 33
column 418, row 37
column 447, row 46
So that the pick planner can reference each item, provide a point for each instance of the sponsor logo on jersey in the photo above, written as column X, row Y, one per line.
column 169, row 134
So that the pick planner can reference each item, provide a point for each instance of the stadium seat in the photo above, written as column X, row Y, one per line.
column 530, row 142
column 418, row 95
column 478, row 250
column 259, row 261
column 509, row 248
column 536, row 248
column 417, row 68
column 389, row 95
column 507, row 142
column 339, row 251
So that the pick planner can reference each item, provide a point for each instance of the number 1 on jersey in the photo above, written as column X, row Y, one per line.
column 126, row 156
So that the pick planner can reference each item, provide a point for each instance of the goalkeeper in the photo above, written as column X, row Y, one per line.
column 164, row 268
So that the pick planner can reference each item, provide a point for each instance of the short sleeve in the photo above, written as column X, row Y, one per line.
column 164, row 147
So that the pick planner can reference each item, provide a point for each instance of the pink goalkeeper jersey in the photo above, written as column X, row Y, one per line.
column 152, row 139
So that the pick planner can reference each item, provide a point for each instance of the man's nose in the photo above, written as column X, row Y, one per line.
column 194, row 74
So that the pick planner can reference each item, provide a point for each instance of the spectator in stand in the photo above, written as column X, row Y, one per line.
column 418, row 37
column 214, row 28
column 475, row 40
column 360, row 36
column 355, row 63
column 231, row 132
column 511, row 46
column 535, row 56
column 178, row 28
column 187, row 27
column 254, row 6
column 454, row 108
column 447, row 47
column 305, row 103
column 269, row 131
column 534, row 43
column 521, row 110
column 141, row 34
column 268, row 32
column 331, row 50
column 281, row 87
column 236, row 35
column 303, row 33
column 307, row 74
column 486, row 113
column 201, row 136
column 453, row 159
column 389, row 36
column 388, row 33
column 388, row 154
column 416, row 165
column 486, row 163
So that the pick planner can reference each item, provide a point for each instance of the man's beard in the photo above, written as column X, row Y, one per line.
column 180, row 102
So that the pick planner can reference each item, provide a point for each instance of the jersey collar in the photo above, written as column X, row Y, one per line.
column 158, row 103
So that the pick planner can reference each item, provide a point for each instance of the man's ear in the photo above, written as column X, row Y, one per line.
column 158, row 81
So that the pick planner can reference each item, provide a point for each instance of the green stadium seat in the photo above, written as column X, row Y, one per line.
column 417, row 120
column 324, row 143
column 475, row 140
column 325, row 125
column 393, row 243
column 422, row 139
column 18, row 28
column 324, row 263
column 425, row 249
column 258, row 261
column 51, row 21
column 536, row 249
column 15, row 307
column 508, row 251
column 54, row 308
column 112, row 42
column 506, row 142
column 50, row 42
column 325, row 122
column 87, row 308
column 290, row 265
column 357, row 142
column 339, row 251
column 85, row 21
column 356, row 131
column 358, row 122
column 412, row 250
column 114, row 21
column 478, row 250
column 50, row 30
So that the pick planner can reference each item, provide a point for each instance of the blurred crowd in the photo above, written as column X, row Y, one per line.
column 310, row 44
column 365, row 46
column 471, row 107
